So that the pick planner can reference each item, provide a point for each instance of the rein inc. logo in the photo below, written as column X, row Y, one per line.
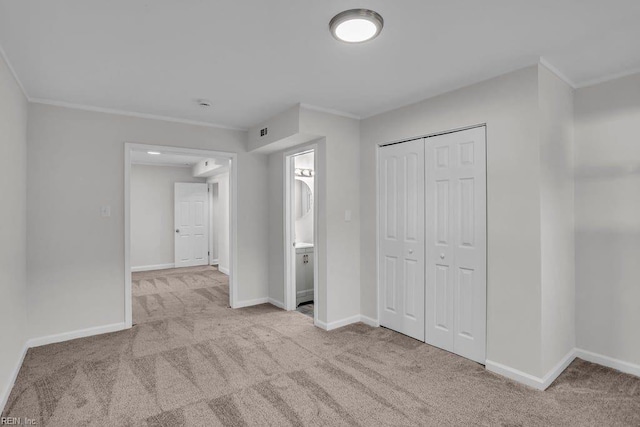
column 18, row 421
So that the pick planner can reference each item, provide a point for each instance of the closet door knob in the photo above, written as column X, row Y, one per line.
column 410, row 251
column 442, row 255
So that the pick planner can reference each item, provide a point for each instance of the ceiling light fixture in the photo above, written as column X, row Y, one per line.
column 204, row 103
column 356, row 25
column 155, row 153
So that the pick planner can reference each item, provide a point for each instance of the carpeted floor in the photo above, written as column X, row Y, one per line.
column 191, row 360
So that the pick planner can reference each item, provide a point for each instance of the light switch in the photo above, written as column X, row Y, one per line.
column 105, row 211
column 347, row 216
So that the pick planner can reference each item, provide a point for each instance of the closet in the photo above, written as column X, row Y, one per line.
column 432, row 240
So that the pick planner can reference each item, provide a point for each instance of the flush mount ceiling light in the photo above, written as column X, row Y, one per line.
column 155, row 153
column 204, row 103
column 356, row 25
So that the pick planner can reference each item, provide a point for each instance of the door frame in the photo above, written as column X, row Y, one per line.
column 377, row 199
column 290, row 296
column 233, row 220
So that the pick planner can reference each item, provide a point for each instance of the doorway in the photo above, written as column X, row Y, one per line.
column 168, row 219
column 432, row 240
column 301, row 278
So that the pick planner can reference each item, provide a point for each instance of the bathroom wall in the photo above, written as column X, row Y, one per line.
column 304, row 222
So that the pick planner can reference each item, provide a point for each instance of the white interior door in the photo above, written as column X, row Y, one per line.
column 456, row 242
column 401, row 238
column 191, row 224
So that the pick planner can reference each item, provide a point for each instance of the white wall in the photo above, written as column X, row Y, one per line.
column 607, row 233
column 76, row 257
column 152, row 213
column 556, row 218
column 221, row 219
column 337, row 246
column 13, row 234
column 509, row 106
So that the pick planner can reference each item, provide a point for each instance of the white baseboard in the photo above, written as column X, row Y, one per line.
column 82, row 333
column 275, row 302
column 223, row 270
column 369, row 321
column 528, row 379
column 514, row 374
column 347, row 321
column 609, row 362
column 152, row 267
column 338, row 323
column 558, row 369
column 4, row 397
column 250, row 302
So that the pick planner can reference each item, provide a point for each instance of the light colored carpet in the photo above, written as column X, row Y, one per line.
column 193, row 361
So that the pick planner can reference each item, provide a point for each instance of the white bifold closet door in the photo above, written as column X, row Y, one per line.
column 401, row 233
column 191, row 224
column 432, row 240
column 456, row 242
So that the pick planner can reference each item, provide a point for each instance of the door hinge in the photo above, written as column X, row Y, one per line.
column 209, row 253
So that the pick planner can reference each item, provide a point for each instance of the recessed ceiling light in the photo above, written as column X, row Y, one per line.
column 155, row 153
column 204, row 103
column 356, row 25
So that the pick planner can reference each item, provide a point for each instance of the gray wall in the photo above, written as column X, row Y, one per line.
column 13, row 232
column 509, row 106
column 607, row 233
column 76, row 257
column 555, row 99
column 152, row 213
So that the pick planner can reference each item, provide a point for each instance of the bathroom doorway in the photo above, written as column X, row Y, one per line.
column 300, row 239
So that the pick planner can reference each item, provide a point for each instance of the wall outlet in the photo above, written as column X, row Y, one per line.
column 347, row 215
column 263, row 132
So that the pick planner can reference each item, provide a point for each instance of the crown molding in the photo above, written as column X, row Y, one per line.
column 562, row 76
column 130, row 113
column 608, row 77
column 329, row 111
column 12, row 70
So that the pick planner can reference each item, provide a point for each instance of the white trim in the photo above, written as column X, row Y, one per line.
column 304, row 293
column 546, row 64
column 338, row 323
column 233, row 209
column 558, row 369
column 152, row 267
column 607, row 78
column 4, row 397
column 531, row 380
column 275, row 302
column 329, row 111
column 164, row 165
column 369, row 321
column 610, row 362
column 214, row 261
column 514, row 374
column 224, row 270
column 12, row 70
column 130, row 113
column 81, row 333
column 290, row 295
column 251, row 302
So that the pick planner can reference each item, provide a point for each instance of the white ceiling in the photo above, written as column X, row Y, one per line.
column 255, row 58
